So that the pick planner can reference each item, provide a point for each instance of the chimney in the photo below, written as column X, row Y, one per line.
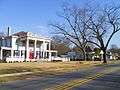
column 8, row 31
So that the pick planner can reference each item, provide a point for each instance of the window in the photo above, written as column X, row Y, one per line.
column 22, row 54
column 47, row 46
column 8, row 42
column 16, row 53
column 53, row 54
column 23, row 43
column 31, row 44
column 40, row 56
column 44, row 55
column 47, row 55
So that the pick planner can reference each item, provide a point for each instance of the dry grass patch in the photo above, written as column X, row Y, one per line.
column 41, row 69
column 7, row 68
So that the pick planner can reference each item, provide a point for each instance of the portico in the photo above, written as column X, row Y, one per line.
column 37, row 49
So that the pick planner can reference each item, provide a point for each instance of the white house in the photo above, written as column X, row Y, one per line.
column 25, row 46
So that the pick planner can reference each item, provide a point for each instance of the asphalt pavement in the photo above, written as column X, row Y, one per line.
column 107, row 81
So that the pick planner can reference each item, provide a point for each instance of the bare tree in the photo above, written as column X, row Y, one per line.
column 73, row 27
column 2, row 34
column 60, row 44
column 103, row 25
column 86, row 25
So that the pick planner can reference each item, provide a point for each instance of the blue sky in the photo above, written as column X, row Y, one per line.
column 34, row 15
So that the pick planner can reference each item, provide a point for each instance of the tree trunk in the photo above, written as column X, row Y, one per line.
column 84, row 55
column 104, row 56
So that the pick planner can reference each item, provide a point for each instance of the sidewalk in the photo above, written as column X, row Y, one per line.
column 15, row 74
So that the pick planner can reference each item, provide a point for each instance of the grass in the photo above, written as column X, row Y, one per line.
column 7, row 68
column 41, row 69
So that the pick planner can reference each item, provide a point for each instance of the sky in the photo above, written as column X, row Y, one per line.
column 35, row 15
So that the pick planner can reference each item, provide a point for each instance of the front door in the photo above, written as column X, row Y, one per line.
column 31, row 55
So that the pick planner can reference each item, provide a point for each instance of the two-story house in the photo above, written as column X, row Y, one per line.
column 25, row 46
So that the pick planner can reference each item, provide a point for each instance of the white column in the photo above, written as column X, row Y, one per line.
column 49, row 45
column 12, row 50
column 40, row 52
column 20, row 54
column 49, row 51
column 35, row 48
column 43, row 49
column 27, row 49
column 43, row 54
column 50, row 56
column 1, row 54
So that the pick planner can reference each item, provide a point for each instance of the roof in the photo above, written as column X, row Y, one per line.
column 22, row 34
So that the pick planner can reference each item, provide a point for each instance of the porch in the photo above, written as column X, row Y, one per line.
column 9, row 55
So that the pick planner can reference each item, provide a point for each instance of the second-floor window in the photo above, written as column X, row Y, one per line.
column 6, row 42
column 47, row 46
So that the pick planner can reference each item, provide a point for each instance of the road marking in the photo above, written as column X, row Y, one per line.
column 77, row 82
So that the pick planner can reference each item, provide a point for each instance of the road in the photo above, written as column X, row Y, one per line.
column 105, row 77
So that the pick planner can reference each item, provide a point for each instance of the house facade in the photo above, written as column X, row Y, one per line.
column 25, row 46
